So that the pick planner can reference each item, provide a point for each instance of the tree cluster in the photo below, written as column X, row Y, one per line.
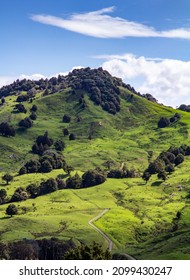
column 165, row 163
column 123, row 173
column 51, row 249
column 42, row 144
column 184, row 107
column 46, row 163
column 89, row 178
column 100, row 85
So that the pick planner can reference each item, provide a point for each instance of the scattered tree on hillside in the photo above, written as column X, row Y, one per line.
column 48, row 186
column 179, row 159
column 74, row 182
column 59, row 145
column 72, row 136
column 26, row 123
column 92, row 178
column 162, row 175
column 11, row 210
column 66, row 118
column 6, row 129
column 146, row 176
column 20, row 108
column 33, row 116
column 34, row 108
column 163, row 122
column 3, row 195
column 65, row 131
column 7, row 177
column 19, row 195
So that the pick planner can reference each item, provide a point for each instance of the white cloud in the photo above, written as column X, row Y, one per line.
column 6, row 80
column 166, row 79
column 99, row 24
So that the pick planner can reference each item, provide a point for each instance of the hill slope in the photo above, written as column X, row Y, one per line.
column 119, row 126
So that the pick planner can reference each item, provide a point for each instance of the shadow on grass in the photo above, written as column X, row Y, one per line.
column 156, row 184
column 5, row 218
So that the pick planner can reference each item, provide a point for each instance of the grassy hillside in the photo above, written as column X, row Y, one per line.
column 141, row 216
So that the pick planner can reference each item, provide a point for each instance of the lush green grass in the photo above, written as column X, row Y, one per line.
column 141, row 217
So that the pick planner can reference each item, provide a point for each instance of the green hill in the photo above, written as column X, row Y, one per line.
column 110, row 122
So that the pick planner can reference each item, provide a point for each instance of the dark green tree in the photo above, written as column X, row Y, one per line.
column 146, row 176
column 26, row 123
column 92, row 178
column 22, row 171
column 59, row 145
column 11, row 210
column 7, row 177
column 34, row 108
column 163, row 122
column 46, row 166
column 72, row 136
column 74, row 182
column 162, row 175
column 66, row 118
column 6, row 129
column 3, row 195
column 179, row 159
column 65, row 132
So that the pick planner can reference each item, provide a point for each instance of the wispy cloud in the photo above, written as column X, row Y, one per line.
column 101, row 25
column 166, row 79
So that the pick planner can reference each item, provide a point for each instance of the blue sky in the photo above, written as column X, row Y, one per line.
column 145, row 42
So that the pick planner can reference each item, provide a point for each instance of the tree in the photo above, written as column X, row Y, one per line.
column 2, row 100
column 3, row 195
column 59, row 145
column 162, row 175
column 74, row 182
column 49, row 186
column 146, row 176
column 11, row 210
column 26, row 123
column 170, row 168
column 72, row 136
column 92, row 178
column 7, row 177
column 108, row 164
column 19, row 195
column 34, row 108
column 22, row 171
column 20, row 108
column 85, row 252
column 179, row 159
column 33, row 116
column 65, row 132
column 156, row 166
column 6, row 129
column 163, row 122
column 68, row 169
column 46, row 166
column 66, row 118
column 33, row 190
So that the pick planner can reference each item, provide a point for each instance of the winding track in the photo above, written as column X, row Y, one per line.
column 110, row 243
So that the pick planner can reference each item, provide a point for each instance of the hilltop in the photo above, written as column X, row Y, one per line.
column 89, row 120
